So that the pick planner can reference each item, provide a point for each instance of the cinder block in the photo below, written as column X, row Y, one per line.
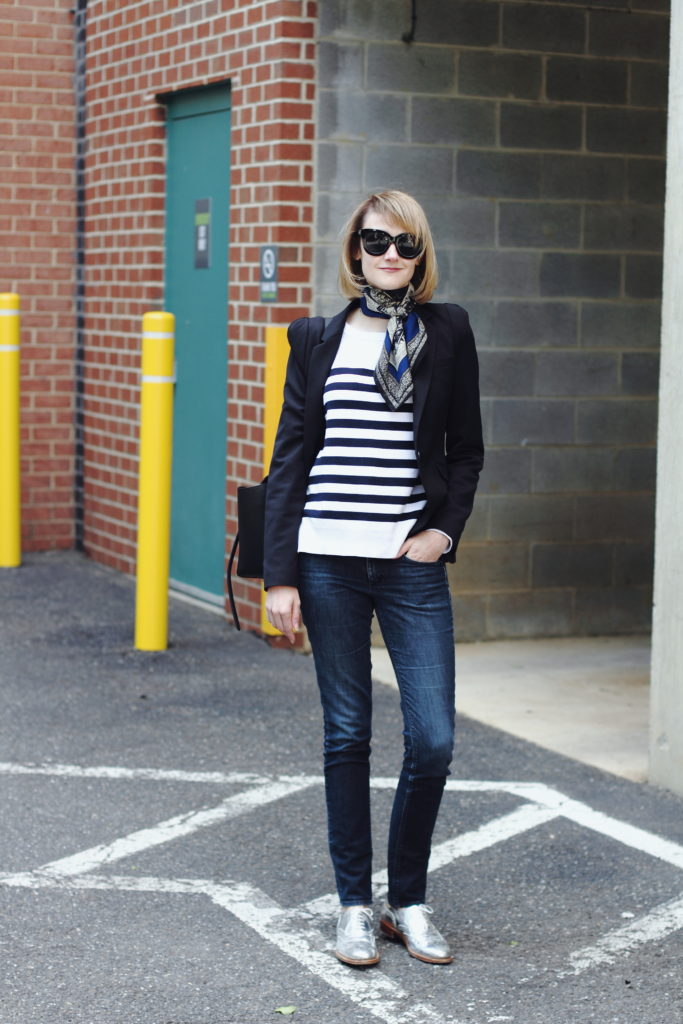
column 541, row 225
column 543, row 27
column 582, row 177
column 605, row 611
column 333, row 210
column 340, row 65
column 643, row 278
column 649, row 84
column 635, row 469
column 457, row 122
column 586, row 80
column 647, row 5
column 642, row 132
column 530, row 614
column 532, row 421
column 646, row 180
column 340, row 166
column 344, row 115
column 616, row 421
column 506, row 471
column 580, row 274
column 378, row 20
column 572, row 470
column 477, row 528
column 623, row 227
column 571, row 565
column 500, row 175
column 490, row 273
column 469, row 613
column 458, row 23
column 534, row 325
column 576, row 373
column 503, row 373
column 626, row 34
column 460, row 223
column 551, row 126
column 326, row 270
column 486, row 567
column 620, row 325
column 640, row 373
column 410, row 168
column 510, row 75
column 633, row 565
column 615, row 517
column 487, row 420
column 414, row 69
column 531, row 517
column 482, row 315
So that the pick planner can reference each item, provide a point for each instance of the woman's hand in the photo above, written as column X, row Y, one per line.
column 426, row 546
column 283, row 610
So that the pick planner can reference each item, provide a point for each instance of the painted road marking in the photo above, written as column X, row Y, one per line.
column 174, row 828
column 293, row 930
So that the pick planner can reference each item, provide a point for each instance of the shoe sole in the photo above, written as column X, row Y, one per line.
column 390, row 932
column 370, row 962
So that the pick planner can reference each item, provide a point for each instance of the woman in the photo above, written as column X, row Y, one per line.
column 376, row 462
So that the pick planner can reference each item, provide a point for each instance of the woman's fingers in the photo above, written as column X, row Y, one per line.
column 283, row 610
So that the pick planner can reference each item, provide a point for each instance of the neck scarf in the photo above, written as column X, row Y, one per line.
column 403, row 342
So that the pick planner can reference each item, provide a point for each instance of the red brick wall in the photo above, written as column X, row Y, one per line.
column 37, row 225
column 266, row 50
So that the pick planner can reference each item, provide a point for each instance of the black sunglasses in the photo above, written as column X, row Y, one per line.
column 377, row 242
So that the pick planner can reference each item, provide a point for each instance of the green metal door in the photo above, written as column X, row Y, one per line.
column 197, row 203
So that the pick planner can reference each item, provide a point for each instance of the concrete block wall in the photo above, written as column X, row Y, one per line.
column 534, row 135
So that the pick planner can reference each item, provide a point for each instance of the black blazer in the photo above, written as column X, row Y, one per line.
column 447, row 428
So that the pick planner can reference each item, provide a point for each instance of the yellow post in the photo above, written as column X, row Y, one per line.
column 277, row 351
column 154, row 486
column 10, row 484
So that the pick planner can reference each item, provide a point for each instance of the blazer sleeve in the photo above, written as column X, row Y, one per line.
column 288, row 475
column 464, row 445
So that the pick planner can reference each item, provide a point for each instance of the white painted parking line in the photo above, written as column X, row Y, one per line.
column 293, row 930
column 77, row 771
column 490, row 834
column 291, row 933
column 174, row 828
column 658, row 924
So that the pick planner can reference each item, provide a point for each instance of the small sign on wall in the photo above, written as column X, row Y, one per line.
column 269, row 257
column 202, row 233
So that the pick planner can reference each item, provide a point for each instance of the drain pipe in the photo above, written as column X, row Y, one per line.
column 79, row 13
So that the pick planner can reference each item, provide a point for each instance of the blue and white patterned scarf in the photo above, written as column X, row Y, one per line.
column 403, row 342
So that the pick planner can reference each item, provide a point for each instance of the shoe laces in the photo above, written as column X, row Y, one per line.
column 422, row 921
column 358, row 921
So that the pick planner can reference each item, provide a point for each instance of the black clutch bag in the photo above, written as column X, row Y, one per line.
column 248, row 543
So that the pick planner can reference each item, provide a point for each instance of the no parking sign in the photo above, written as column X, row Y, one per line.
column 269, row 273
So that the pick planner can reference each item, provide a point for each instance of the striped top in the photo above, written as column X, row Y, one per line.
column 364, row 493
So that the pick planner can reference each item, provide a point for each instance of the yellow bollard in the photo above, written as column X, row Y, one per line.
column 277, row 351
column 10, row 483
column 154, row 485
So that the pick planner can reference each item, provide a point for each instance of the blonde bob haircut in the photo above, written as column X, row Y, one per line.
column 409, row 215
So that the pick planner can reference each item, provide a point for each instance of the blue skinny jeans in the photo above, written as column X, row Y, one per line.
column 413, row 607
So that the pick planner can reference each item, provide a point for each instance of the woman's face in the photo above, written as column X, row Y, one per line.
column 389, row 270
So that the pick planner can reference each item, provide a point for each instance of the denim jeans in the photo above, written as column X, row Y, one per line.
column 413, row 607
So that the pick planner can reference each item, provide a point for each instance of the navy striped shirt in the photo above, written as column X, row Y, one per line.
column 364, row 493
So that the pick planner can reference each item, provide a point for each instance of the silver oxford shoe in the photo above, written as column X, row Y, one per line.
column 356, row 943
column 412, row 927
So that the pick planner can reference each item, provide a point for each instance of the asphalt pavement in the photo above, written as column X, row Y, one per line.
column 163, row 855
